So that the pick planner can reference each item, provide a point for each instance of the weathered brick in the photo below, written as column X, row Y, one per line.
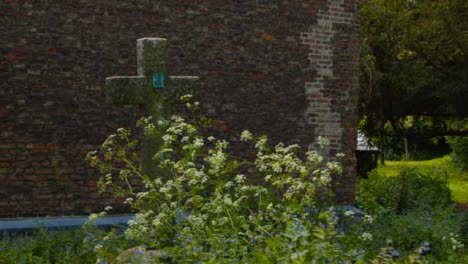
column 7, row 146
column 269, row 77
column 45, row 171
column 6, row 170
column 5, row 164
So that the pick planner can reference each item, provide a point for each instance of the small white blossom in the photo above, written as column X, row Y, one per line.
column 240, row 178
column 340, row 155
column 368, row 219
column 323, row 142
column 455, row 242
column 246, row 135
column 228, row 185
column 366, row 236
column 167, row 138
column 93, row 217
column 198, row 143
column 314, row 157
column 186, row 97
column 349, row 213
column 261, row 144
column 97, row 247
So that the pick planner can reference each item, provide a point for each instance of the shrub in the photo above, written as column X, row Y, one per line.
column 207, row 206
column 437, row 229
column 459, row 146
column 414, row 211
column 408, row 191
column 206, row 209
column 45, row 246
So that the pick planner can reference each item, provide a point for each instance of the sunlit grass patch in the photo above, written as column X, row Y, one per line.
column 457, row 178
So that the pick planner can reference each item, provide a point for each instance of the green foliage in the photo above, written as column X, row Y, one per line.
column 414, row 211
column 208, row 206
column 205, row 209
column 459, row 147
column 414, row 68
column 46, row 247
column 438, row 228
column 408, row 191
column 440, row 167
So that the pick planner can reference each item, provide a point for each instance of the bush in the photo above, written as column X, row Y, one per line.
column 459, row 146
column 414, row 211
column 438, row 229
column 207, row 206
column 45, row 246
column 206, row 209
column 408, row 191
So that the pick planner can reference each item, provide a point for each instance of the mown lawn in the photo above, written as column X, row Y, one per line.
column 457, row 178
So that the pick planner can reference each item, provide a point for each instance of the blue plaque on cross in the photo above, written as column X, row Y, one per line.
column 158, row 80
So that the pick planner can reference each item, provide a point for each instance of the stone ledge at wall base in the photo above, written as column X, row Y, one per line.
column 22, row 225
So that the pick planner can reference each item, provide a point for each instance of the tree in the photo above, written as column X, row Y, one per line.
column 414, row 81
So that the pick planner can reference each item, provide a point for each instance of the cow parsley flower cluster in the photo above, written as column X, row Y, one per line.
column 205, row 197
column 207, row 206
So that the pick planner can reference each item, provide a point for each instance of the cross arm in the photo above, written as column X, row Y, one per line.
column 182, row 85
column 126, row 90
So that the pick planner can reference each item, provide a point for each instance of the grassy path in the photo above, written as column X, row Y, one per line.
column 457, row 178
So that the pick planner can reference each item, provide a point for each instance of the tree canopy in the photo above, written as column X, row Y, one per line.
column 414, row 80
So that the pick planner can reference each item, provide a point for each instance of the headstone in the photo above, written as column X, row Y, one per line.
column 149, row 90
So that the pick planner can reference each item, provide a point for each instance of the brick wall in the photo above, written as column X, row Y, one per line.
column 283, row 68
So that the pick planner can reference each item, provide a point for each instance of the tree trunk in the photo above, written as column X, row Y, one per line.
column 382, row 156
column 405, row 140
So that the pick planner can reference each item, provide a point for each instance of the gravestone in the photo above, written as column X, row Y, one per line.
column 149, row 91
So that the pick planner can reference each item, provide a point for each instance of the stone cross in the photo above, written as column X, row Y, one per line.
column 148, row 90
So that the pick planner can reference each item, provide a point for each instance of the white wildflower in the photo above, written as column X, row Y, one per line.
column 277, row 167
column 455, row 242
column 186, row 97
column 349, row 213
column 366, row 236
column 314, row 157
column 198, row 143
column 246, row 135
column 240, row 178
column 228, row 185
column 261, row 144
column 93, row 217
column 323, row 142
column 368, row 219
column 97, row 247
column 167, row 138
